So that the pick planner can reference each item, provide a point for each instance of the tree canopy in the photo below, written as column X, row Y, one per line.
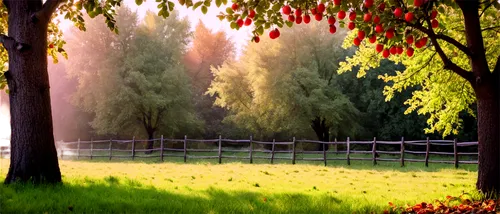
column 138, row 85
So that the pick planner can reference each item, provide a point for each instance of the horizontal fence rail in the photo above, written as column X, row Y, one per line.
column 446, row 151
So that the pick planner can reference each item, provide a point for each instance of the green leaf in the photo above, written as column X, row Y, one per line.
column 182, row 2
column 197, row 4
column 171, row 6
column 276, row 7
column 218, row 3
column 207, row 3
column 204, row 9
column 233, row 25
column 229, row 11
column 224, row 2
column 260, row 30
column 138, row 2
column 289, row 24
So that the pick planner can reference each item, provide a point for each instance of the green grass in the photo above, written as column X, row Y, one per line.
column 204, row 187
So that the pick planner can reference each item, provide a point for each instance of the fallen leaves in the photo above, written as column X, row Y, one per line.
column 451, row 204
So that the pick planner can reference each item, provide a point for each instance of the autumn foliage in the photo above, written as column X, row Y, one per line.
column 461, row 204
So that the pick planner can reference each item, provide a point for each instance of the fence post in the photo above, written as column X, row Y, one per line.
column 110, row 148
column 78, row 150
column 348, row 151
column 220, row 149
column 251, row 149
column 374, row 151
column 91, row 148
column 455, row 151
column 402, row 151
column 185, row 148
column 427, row 149
column 133, row 148
column 293, row 151
column 272, row 153
column 324, row 153
column 162, row 146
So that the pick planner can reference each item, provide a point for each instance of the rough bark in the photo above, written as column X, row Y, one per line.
column 322, row 132
column 485, row 84
column 33, row 152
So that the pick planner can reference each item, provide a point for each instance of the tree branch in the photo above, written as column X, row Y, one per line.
column 10, row 43
column 448, row 64
column 443, row 37
column 49, row 7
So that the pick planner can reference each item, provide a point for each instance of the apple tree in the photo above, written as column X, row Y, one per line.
column 448, row 47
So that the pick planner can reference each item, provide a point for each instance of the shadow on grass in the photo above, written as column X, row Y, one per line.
column 114, row 195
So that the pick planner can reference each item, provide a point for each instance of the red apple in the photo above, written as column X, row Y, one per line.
column 331, row 20
column 367, row 17
column 298, row 12
column 409, row 16
column 376, row 19
column 307, row 19
column 240, row 22
column 248, row 21
column 379, row 48
column 352, row 16
column 434, row 23
column 409, row 39
column 418, row 3
column 291, row 18
column 381, row 6
column 357, row 41
column 256, row 39
column 398, row 12
column 51, row 45
column 386, row 53
column 373, row 38
column 379, row 28
column 286, row 10
column 361, row 35
column 298, row 20
column 434, row 14
column 341, row 14
column 321, row 8
column 337, row 2
column 409, row 52
column 234, row 7
column 313, row 11
column 333, row 29
column 351, row 25
column 251, row 14
column 318, row 16
column 399, row 49
column 393, row 50
column 389, row 33
column 368, row 3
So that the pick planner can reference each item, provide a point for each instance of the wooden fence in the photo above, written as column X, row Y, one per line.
column 396, row 150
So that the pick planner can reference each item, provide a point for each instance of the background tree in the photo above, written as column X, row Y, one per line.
column 142, row 86
column 208, row 49
column 287, row 86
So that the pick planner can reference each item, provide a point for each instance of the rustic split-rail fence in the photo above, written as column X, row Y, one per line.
column 441, row 151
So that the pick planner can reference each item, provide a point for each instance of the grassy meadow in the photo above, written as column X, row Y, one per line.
column 204, row 187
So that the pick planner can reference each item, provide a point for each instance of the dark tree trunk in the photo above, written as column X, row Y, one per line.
column 150, row 144
column 33, row 152
column 322, row 132
column 488, row 132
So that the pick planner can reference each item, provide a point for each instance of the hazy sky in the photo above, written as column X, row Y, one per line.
column 239, row 37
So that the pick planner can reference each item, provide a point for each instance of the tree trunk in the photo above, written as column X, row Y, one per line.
column 488, row 132
column 322, row 132
column 150, row 143
column 33, row 152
